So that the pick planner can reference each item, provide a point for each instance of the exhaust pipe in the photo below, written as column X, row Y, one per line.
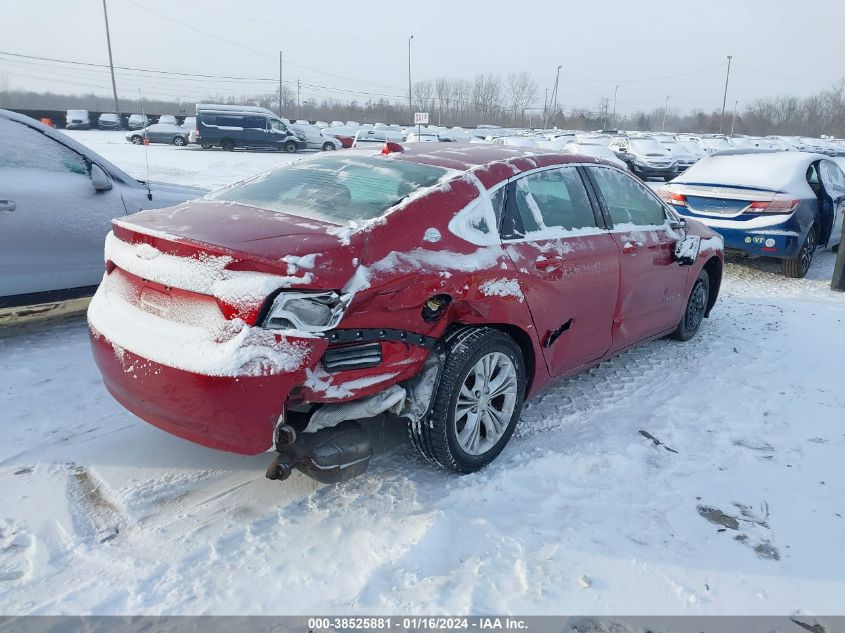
column 331, row 455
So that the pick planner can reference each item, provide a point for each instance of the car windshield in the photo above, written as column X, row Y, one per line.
column 647, row 146
column 334, row 189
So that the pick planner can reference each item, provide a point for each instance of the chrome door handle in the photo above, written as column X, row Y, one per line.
column 7, row 205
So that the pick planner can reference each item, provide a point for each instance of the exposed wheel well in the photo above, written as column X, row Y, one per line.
column 713, row 268
column 522, row 338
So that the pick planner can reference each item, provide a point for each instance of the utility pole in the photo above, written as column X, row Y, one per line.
column 733, row 118
column 545, row 107
column 615, row 93
column 410, row 102
column 665, row 110
column 281, row 102
column 298, row 104
column 725, row 97
column 554, row 93
column 111, row 67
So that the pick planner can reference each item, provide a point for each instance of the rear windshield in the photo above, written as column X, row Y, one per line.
column 334, row 189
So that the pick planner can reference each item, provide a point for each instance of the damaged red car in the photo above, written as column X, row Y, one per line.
column 438, row 287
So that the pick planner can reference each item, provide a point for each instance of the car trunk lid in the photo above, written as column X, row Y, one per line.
column 238, row 255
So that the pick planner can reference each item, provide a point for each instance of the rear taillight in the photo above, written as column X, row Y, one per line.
column 670, row 197
column 778, row 204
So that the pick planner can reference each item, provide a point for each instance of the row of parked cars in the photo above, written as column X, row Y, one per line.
column 795, row 207
column 82, row 120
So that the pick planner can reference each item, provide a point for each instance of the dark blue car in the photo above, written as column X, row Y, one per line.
column 765, row 203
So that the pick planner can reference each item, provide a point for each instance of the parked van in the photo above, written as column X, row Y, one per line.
column 77, row 120
column 229, row 127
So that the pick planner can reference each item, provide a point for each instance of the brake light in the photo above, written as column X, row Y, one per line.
column 670, row 197
column 777, row 204
column 391, row 147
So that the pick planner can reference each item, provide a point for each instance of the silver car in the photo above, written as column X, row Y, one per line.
column 160, row 133
column 57, row 201
column 315, row 138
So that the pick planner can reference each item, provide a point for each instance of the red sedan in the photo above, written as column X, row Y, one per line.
column 441, row 286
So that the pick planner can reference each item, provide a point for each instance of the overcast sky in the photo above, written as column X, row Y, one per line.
column 650, row 49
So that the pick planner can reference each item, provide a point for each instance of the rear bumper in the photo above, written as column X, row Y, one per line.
column 234, row 414
column 654, row 172
column 781, row 240
column 191, row 378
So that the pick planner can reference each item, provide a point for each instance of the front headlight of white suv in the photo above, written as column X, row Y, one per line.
column 307, row 311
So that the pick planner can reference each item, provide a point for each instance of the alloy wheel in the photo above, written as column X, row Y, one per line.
column 486, row 403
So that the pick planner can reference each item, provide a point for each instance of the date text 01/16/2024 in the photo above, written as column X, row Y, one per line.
column 416, row 623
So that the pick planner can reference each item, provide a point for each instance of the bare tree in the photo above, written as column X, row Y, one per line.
column 521, row 90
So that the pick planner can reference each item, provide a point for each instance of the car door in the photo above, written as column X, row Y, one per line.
column 833, row 181
column 568, row 264
column 652, row 284
column 52, row 220
column 156, row 133
column 277, row 134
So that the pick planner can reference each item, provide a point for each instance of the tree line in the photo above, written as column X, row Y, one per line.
column 512, row 100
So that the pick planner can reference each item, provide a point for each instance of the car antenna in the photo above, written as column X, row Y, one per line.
column 146, row 147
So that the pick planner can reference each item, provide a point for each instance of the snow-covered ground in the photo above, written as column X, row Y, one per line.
column 189, row 165
column 582, row 513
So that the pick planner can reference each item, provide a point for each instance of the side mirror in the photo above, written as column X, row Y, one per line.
column 686, row 250
column 99, row 178
column 622, row 150
column 678, row 224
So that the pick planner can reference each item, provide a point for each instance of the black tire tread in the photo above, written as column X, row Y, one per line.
column 680, row 333
column 429, row 436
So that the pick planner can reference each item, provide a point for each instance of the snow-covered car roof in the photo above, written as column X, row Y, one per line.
column 773, row 170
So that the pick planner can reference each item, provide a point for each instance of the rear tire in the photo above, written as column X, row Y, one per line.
column 290, row 147
column 484, row 367
column 179, row 141
column 797, row 267
column 694, row 311
column 228, row 145
column 328, row 147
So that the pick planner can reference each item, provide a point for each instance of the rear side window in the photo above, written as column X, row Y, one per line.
column 334, row 189
column 552, row 199
column 207, row 119
column 628, row 202
column 230, row 121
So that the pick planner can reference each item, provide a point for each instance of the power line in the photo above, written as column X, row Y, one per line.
column 251, row 50
column 182, row 76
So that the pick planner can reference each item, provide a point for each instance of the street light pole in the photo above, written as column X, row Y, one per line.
column 557, row 80
column 725, row 97
column 281, row 103
column 665, row 110
column 733, row 118
column 410, row 103
column 615, row 92
column 111, row 66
